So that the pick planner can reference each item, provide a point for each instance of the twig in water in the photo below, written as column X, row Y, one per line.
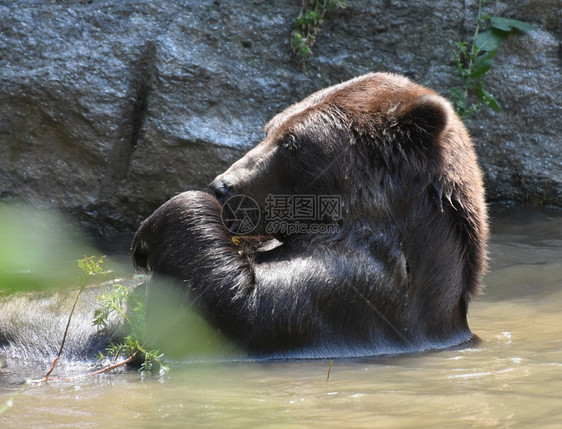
column 329, row 370
column 101, row 371
column 89, row 268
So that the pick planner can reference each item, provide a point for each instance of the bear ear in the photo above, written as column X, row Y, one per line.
column 426, row 117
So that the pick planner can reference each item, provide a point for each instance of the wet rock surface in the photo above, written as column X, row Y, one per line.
column 108, row 108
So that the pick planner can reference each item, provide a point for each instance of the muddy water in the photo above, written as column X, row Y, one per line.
column 513, row 378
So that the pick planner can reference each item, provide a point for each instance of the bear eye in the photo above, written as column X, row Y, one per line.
column 290, row 144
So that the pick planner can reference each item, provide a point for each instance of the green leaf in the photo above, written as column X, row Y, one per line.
column 462, row 46
column 482, row 64
column 310, row 18
column 489, row 40
column 479, row 71
column 456, row 92
column 488, row 99
column 505, row 24
column 458, row 98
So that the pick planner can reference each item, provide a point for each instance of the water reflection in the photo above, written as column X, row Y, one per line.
column 512, row 378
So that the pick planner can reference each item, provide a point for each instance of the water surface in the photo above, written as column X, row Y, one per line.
column 512, row 378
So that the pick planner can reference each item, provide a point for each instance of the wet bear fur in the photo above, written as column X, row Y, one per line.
column 410, row 247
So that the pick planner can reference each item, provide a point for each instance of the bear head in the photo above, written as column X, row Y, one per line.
column 394, row 153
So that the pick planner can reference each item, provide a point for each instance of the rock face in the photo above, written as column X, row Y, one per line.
column 108, row 108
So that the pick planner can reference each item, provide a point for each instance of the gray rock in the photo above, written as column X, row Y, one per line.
column 108, row 108
column 521, row 147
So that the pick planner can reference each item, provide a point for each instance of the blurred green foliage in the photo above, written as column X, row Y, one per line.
column 37, row 249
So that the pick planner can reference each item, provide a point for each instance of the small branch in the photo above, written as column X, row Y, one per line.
column 66, row 330
column 329, row 370
column 473, row 48
column 76, row 377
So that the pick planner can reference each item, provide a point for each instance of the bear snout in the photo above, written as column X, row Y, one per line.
column 221, row 190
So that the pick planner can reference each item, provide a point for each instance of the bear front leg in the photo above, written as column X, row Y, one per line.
column 185, row 242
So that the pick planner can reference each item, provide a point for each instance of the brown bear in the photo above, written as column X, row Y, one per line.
column 384, row 231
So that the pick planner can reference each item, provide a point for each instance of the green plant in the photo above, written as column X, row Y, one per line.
column 474, row 60
column 90, row 268
column 133, row 345
column 307, row 24
column 121, row 298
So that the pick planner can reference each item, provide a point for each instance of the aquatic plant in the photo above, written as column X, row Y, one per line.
column 133, row 345
column 132, row 348
column 90, row 269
